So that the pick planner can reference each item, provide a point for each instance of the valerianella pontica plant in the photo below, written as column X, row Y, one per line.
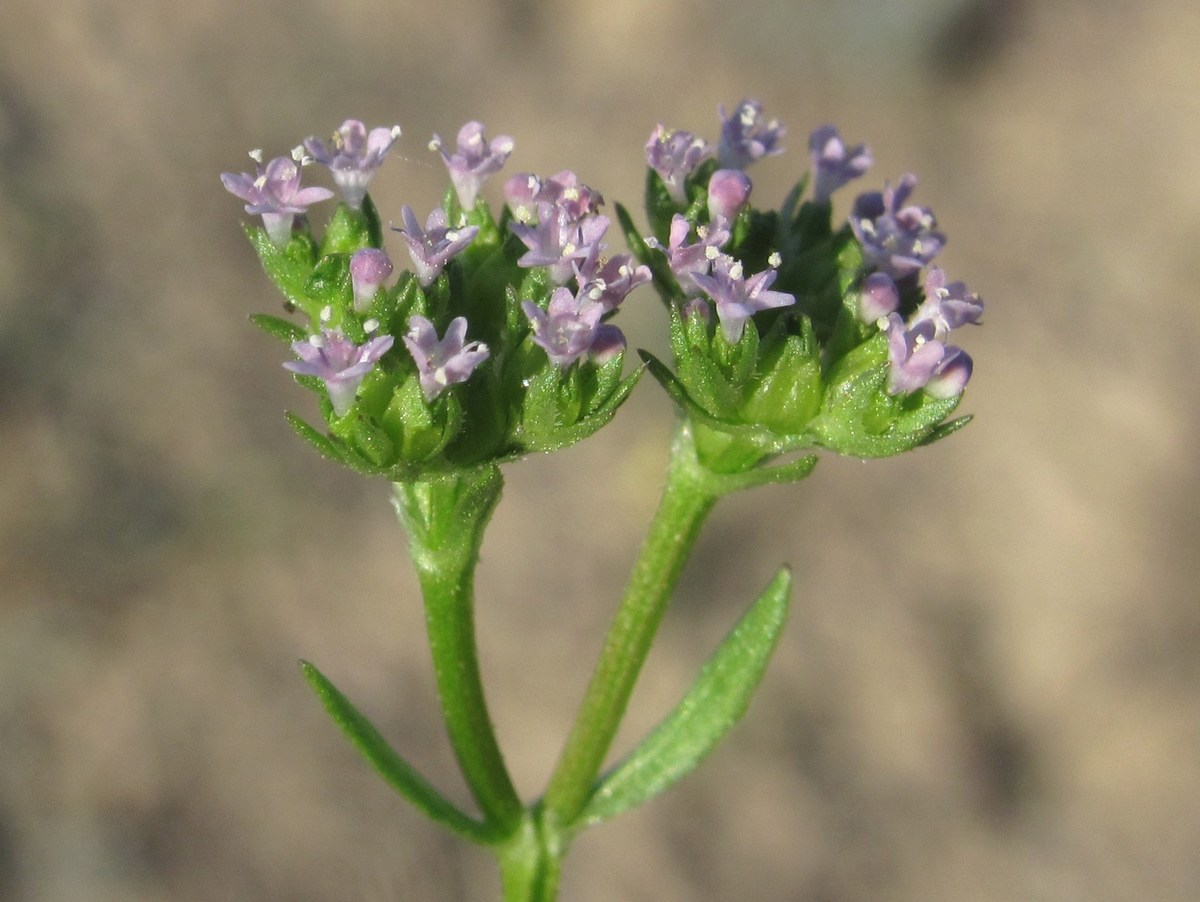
column 791, row 335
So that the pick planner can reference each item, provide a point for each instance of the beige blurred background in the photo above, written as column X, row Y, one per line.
column 990, row 687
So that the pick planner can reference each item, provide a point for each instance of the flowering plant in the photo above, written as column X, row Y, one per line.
column 789, row 337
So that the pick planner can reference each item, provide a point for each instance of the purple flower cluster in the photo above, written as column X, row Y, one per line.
column 919, row 356
column 701, row 267
column 896, row 238
column 557, row 219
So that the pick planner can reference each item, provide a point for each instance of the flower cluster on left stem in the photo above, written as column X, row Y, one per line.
column 495, row 342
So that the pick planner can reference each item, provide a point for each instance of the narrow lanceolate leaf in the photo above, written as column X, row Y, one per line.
column 711, row 707
column 399, row 774
column 285, row 331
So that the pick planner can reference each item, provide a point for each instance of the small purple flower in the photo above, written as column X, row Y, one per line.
column 895, row 239
column 339, row 361
column 368, row 269
column 557, row 241
column 833, row 164
column 609, row 282
column 432, row 247
column 274, row 193
column 737, row 297
column 917, row 359
column 474, row 161
column 570, row 327
column 352, row 155
column 674, row 155
column 951, row 375
column 913, row 355
column 570, row 195
column 745, row 137
column 443, row 363
column 878, row 297
column 728, row 192
column 947, row 306
column 521, row 193
column 686, row 260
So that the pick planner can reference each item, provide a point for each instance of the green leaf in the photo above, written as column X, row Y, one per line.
column 398, row 773
column 323, row 445
column 716, row 701
column 287, row 332
column 948, row 428
column 289, row 266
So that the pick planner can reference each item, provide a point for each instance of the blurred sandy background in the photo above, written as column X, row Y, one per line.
column 990, row 688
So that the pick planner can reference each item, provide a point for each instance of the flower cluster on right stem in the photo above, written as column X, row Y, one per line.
column 788, row 333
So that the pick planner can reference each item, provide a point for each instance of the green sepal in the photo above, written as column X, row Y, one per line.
column 788, row 393
column 289, row 266
column 319, row 441
column 397, row 772
column 419, row 429
column 276, row 327
column 565, row 407
column 860, row 418
column 715, row 702
column 329, row 286
column 351, row 230
column 366, row 439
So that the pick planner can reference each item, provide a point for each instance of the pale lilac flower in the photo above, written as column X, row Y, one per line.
column 570, row 195
column 368, row 269
column 674, row 155
column 525, row 192
column 833, row 163
column 913, row 354
column 895, row 238
column 521, row 193
column 352, row 155
column 443, row 363
column 737, row 297
column 728, row 193
column 688, row 259
column 746, row 137
column 918, row 359
column 609, row 282
column 274, row 193
column 569, row 327
column 878, row 297
column 947, row 306
column 951, row 375
column 432, row 247
column 557, row 241
column 339, row 361
column 474, row 161
column 608, row 343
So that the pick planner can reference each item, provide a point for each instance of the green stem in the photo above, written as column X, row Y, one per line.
column 531, row 862
column 688, row 496
column 445, row 516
